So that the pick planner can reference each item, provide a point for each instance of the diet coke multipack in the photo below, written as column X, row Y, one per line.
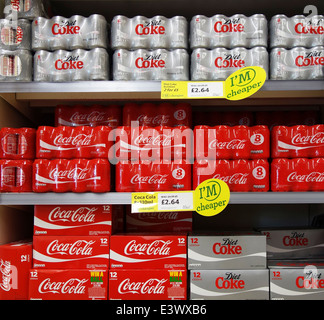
column 71, row 175
column 75, row 220
column 141, row 32
column 93, row 115
column 288, row 244
column 76, row 32
column 237, row 142
column 240, row 175
column 68, row 284
column 24, row 9
column 296, row 279
column 15, row 262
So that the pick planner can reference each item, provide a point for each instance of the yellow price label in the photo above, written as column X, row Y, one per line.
column 239, row 85
column 144, row 202
column 211, row 197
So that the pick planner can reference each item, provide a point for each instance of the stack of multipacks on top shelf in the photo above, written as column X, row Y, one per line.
column 16, row 58
column 296, row 263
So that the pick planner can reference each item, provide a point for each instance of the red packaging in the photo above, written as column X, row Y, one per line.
column 238, row 142
column 16, row 175
column 148, row 284
column 17, row 144
column 82, row 115
column 297, row 141
column 164, row 114
column 74, row 220
column 136, row 251
column 71, row 252
column 215, row 118
column 67, row 142
column 240, row 175
column 148, row 222
column 153, row 176
column 77, row 175
column 298, row 174
column 73, row 284
column 150, row 143
column 15, row 262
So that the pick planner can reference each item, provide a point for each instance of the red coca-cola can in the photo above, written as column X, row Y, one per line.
column 17, row 144
column 16, row 175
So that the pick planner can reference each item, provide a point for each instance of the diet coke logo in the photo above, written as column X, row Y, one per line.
column 301, row 28
column 78, row 140
column 73, row 174
column 150, row 61
column 230, row 281
column 311, row 177
column 70, row 62
column 230, row 61
column 317, row 139
column 154, row 179
column 77, row 248
column 237, row 178
column 295, row 239
column 151, row 286
column 157, row 247
column 82, row 214
column 150, row 27
column 229, row 25
column 235, row 144
column 313, row 58
column 66, row 27
column 71, row 286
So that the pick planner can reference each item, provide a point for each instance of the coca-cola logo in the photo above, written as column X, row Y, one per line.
column 69, row 63
column 311, row 177
column 5, row 271
column 230, row 61
column 236, row 178
column 301, row 28
column 296, row 239
column 163, row 140
column 235, row 144
column 150, row 286
column 313, row 58
column 65, row 27
column 230, row 25
column 228, row 246
column 154, row 179
column 230, row 281
column 157, row 247
column 71, row 286
column 157, row 215
column 73, row 174
column 317, row 139
column 81, row 214
column 77, row 248
column 94, row 116
column 160, row 119
column 149, row 28
column 150, row 61
column 78, row 140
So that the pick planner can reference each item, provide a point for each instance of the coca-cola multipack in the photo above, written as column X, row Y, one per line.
column 74, row 175
column 240, row 175
column 148, row 284
column 237, row 142
column 146, row 175
column 15, row 262
column 59, row 220
column 148, row 222
column 296, row 279
column 71, row 252
column 66, row 142
column 93, row 115
column 156, row 115
column 68, row 284
column 227, row 250
column 229, row 284
column 137, row 251
column 294, row 243
column 298, row 141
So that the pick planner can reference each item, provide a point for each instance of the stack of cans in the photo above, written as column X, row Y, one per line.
column 70, row 49
column 150, row 48
column 297, row 51
column 15, row 49
column 222, row 45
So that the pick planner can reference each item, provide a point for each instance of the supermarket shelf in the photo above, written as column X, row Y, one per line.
column 125, row 198
column 144, row 90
